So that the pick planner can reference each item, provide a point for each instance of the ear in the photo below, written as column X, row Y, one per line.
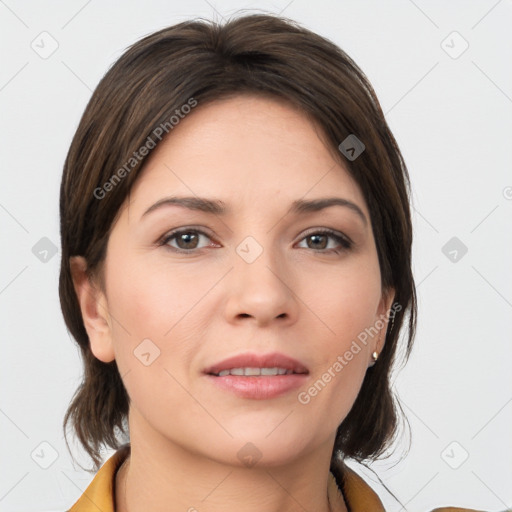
column 94, row 307
column 383, row 314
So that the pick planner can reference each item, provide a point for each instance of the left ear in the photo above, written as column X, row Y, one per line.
column 383, row 313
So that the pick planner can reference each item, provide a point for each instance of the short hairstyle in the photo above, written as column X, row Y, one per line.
column 202, row 61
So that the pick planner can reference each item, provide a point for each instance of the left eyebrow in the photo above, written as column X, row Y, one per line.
column 216, row 207
column 315, row 205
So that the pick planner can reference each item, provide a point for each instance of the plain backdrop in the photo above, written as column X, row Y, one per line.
column 443, row 74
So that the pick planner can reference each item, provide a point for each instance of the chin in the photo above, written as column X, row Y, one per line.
column 256, row 448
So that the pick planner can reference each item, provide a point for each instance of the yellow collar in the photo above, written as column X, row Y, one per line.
column 358, row 495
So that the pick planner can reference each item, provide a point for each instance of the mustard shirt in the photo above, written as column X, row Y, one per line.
column 359, row 496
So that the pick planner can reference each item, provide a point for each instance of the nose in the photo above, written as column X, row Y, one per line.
column 261, row 291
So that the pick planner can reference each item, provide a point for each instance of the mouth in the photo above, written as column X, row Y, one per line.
column 254, row 365
column 258, row 377
column 256, row 372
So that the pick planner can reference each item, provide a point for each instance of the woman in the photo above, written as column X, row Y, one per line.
column 236, row 269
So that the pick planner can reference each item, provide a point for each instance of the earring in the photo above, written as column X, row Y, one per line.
column 375, row 356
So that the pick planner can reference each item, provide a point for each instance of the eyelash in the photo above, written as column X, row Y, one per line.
column 346, row 244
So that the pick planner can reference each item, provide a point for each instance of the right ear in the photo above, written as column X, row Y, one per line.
column 94, row 308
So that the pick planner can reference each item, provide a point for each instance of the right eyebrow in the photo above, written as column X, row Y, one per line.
column 192, row 203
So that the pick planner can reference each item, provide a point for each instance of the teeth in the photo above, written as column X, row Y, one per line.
column 269, row 371
column 255, row 372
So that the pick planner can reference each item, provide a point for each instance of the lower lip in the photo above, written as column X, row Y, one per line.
column 259, row 388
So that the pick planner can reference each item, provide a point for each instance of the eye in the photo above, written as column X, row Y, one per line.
column 186, row 240
column 319, row 240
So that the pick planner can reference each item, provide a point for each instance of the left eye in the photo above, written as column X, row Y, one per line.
column 320, row 241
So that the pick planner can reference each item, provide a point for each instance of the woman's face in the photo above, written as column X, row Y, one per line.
column 250, row 276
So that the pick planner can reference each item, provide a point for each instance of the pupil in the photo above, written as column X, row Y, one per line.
column 316, row 237
column 187, row 238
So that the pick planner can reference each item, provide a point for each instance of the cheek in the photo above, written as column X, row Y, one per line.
column 152, row 333
column 151, row 297
column 347, row 303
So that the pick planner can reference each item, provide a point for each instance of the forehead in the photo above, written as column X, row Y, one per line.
column 244, row 149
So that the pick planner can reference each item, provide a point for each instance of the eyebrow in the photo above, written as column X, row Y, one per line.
column 217, row 207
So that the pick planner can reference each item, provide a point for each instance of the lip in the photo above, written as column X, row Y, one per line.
column 258, row 387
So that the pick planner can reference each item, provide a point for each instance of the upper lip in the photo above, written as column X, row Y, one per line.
column 251, row 360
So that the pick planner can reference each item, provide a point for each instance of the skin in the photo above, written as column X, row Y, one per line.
column 257, row 155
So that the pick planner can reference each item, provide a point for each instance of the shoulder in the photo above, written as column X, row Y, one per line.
column 360, row 497
column 99, row 495
column 456, row 509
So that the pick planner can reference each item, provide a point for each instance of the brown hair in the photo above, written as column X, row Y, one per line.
column 206, row 61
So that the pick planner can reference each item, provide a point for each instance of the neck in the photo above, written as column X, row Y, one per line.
column 162, row 476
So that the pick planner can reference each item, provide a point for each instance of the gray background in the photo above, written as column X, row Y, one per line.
column 450, row 111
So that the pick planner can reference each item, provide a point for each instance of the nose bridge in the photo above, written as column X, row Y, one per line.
column 259, row 282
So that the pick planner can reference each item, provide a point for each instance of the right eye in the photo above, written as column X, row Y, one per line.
column 186, row 240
